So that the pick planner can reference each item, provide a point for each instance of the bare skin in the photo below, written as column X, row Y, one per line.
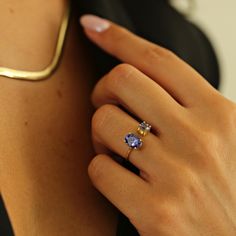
column 45, row 128
column 187, row 164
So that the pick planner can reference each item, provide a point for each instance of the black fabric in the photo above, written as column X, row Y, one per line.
column 158, row 22
column 5, row 226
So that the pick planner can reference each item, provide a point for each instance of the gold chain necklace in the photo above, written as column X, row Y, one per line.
column 46, row 72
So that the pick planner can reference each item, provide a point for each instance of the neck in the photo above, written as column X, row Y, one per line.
column 28, row 41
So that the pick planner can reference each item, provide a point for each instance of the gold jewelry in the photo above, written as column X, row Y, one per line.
column 46, row 72
column 143, row 128
column 128, row 153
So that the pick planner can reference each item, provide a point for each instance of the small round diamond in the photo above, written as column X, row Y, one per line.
column 133, row 141
column 144, row 128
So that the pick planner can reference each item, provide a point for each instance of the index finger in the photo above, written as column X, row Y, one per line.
column 179, row 79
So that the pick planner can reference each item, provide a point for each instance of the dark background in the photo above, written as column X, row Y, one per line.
column 5, row 229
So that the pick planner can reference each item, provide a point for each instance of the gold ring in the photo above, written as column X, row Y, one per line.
column 128, row 153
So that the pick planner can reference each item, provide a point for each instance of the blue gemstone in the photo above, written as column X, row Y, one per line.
column 133, row 141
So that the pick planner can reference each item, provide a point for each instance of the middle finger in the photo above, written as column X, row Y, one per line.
column 140, row 95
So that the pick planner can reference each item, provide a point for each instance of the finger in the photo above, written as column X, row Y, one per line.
column 173, row 74
column 110, row 125
column 127, row 191
column 139, row 95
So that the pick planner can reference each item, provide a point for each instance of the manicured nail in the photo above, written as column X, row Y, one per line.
column 94, row 23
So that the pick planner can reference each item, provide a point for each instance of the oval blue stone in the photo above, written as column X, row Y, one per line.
column 133, row 141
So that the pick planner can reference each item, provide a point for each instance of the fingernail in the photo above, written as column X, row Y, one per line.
column 94, row 23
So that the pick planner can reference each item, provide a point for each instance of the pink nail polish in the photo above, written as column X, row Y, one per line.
column 94, row 23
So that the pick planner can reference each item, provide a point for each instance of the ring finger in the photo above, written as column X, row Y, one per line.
column 110, row 125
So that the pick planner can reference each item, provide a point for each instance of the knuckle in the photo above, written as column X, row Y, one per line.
column 190, row 187
column 157, row 54
column 226, row 117
column 194, row 190
column 167, row 213
column 202, row 145
column 188, row 182
column 193, row 131
column 95, row 168
column 202, row 142
column 100, row 118
column 122, row 69
column 225, row 112
column 118, row 76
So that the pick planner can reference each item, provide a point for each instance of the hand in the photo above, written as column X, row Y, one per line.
column 187, row 163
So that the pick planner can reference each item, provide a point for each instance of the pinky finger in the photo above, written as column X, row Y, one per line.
column 125, row 190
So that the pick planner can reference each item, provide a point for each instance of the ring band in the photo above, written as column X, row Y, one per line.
column 133, row 140
column 128, row 153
